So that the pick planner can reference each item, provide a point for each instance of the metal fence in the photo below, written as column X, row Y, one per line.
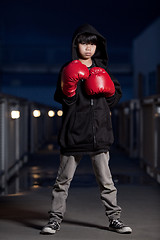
column 150, row 136
column 24, row 127
column 137, row 126
column 126, row 122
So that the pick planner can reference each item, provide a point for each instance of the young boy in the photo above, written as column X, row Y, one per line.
column 86, row 93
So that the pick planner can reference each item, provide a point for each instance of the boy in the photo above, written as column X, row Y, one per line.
column 86, row 93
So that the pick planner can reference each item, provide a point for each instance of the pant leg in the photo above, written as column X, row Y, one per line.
column 108, row 191
column 68, row 165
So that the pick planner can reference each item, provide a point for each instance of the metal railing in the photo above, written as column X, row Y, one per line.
column 24, row 127
column 137, row 126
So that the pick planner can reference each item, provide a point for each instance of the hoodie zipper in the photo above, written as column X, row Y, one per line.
column 93, row 126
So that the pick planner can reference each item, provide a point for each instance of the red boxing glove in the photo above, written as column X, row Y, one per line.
column 71, row 74
column 99, row 81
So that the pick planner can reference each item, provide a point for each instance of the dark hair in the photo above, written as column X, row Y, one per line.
column 87, row 38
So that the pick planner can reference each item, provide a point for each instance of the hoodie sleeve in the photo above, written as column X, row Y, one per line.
column 112, row 101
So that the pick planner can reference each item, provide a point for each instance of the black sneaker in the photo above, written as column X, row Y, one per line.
column 51, row 228
column 119, row 227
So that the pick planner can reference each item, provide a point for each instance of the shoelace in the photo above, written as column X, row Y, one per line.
column 117, row 223
column 55, row 224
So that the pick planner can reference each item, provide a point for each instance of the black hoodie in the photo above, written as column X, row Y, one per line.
column 86, row 124
column 100, row 57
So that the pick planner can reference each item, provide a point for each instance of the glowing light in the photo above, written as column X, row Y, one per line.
column 35, row 175
column 51, row 113
column 36, row 113
column 60, row 113
column 35, row 186
column 15, row 114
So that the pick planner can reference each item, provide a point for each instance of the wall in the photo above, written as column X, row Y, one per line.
column 146, row 58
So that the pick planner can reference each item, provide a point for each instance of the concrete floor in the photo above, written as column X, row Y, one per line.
column 22, row 215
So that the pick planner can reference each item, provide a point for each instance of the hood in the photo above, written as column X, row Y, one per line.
column 100, row 57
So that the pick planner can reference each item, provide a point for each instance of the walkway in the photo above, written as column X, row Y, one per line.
column 23, row 215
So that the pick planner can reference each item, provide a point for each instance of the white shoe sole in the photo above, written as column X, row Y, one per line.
column 126, row 230
column 48, row 230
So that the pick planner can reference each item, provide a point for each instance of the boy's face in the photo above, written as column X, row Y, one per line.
column 86, row 50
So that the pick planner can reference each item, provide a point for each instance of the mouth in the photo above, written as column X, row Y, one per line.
column 88, row 54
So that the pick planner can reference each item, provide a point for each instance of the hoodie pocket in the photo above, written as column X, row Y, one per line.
column 81, row 131
column 103, row 126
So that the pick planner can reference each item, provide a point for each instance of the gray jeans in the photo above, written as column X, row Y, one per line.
column 68, row 165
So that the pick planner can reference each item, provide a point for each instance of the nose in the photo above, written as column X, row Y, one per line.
column 88, row 46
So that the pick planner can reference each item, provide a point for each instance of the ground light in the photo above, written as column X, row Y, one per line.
column 59, row 113
column 36, row 113
column 15, row 114
column 51, row 113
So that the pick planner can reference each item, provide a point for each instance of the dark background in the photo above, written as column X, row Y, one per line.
column 39, row 21
column 35, row 38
